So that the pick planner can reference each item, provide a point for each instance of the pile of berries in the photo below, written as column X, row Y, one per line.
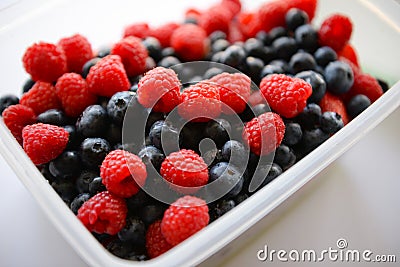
column 70, row 117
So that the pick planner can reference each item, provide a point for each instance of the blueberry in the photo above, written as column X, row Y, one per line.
column 264, row 37
column 66, row 165
column 151, row 213
column 357, row 104
column 167, row 52
column 274, row 171
column 212, row 156
column 84, row 179
column 306, row 37
column 153, row 46
column 211, row 72
column 28, row 85
column 312, row 139
column 88, row 65
column 6, row 101
column 284, row 157
column 383, row 85
column 317, row 83
column 227, row 176
column 134, row 231
column 92, row 121
column 73, row 137
column 134, row 88
column 118, row 104
column 235, row 153
column 331, row 122
column 218, row 130
column 271, row 69
column 46, row 173
column 339, row 77
column 217, row 57
column 233, row 56
column 285, row 47
column 293, row 134
column 96, row 186
column 219, row 45
column 310, row 117
column 302, row 61
column 119, row 248
column 325, row 55
column 295, row 18
column 281, row 63
column 78, row 202
column 191, row 135
column 54, row 117
column 137, row 201
column 221, row 208
column 260, row 109
column 152, row 118
column 253, row 67
column 169, row 61
column 93, row 151
column 167, row 132
column 217, row 35
column 278, row 32
column 240, row 198
column 190, row 20
column 104, row 51
column 152, row 155
column 150, row 64
column 254, row 48
column 65, row 189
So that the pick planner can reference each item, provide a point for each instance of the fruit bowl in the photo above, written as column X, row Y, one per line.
column 250, row 211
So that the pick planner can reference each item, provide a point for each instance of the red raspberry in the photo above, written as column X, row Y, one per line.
column 333, row 103
column 200, row 102
column 104, row 213
column 286, row 95
column 215, row 19
column 41, row 97
column 335, row 31
column 367, row 85
column 133, row 55
column 233, row 6
column 272, row 14
column 184, row 218
column 308, row 6
column 356, row 69
column 78, row 51
column 185, row 168
column 234, row 91
column 249, row 24
column 256, row 98
column 108, row 77
column 264, row 133
column 164, row 33
column 193, row 13
column 16, row 117
column 190, row 42
column 44, row 142
column 123, row 173
column 140, row 30
column 235, row 33
column 45, row 62
column 74, row 94
column 159, row 89
column 155, row 241
column 350, row 53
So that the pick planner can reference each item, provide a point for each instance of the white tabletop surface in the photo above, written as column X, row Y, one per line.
column 356, row 198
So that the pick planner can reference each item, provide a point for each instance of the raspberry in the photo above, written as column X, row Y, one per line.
column 159, row 89
column 155, row 241
column 185, row 168
column 234, row 91
column 200, row 102
column 108, row 77
column 264, row 133
column 41, row 97
column 233, row 6
column 193, row 13
column 133, row 55
column 333, row 103
column 44, row 142
column 74, row 94
column 215, row 19
column 335, row 31
column 184, row 218
column 140, row 30
column 249, row 24
column 45, row 62
column 190, row 42
column 286, row 95
column 272, row 14
column 349, row 52
column 164, row 33
column 235, row 34
column 366, row 85
column 123, row 173
column 308, row 6
column 104, row 213
column 16, row 117
column 78, row 51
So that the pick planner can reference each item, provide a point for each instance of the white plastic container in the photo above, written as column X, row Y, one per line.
column 375, row 36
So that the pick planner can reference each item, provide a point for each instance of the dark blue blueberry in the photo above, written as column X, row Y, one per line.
column 114, row 134
column 253, row 67
column 73, row 137
column 134, row 88
column 383, row 84
column 169, row 61
column 221, row 208
column 310, row 117
column 65, row 189
column 295, row 18
column 285, row 47
column 233, row 56
column 293, row 134
column 312, row 139
column 46, row 174
column 164, row 136
column 284, row 157
column 217, row 35
column 302, row 61
column 6, row 101
column 88, row 65
column 92, row 121
column 260, row 109
column 84, row 179
column 317, row 83
column 154, row 48
column 306, row 37
column 254, row 48
column 331, row 122
column 219, row 45
column 119, row 248
column 167, row 52
column 78, row 202
column 54, row 117
column 217, row 57
column 227, row 176
column 235, row 153
column 96, row 186
column 190, row 20
column 264, row 37
column 152, row 118
column 93, row 151
column 104, row 51
column 134, row 231
column 271, row 69
column 325, row 55
column 67, row 165
column 357, row 104
column 218, row 130
column 151, row 213
column 274, row 171
column 137, row 201
column 118, row 104
column 152, row 155
column 191, row 135
column 28, row 85
column 339, row 77
column 212, row 156
column 240, row 198
column 212, row 72
column 277, row 33
column 281, row 63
